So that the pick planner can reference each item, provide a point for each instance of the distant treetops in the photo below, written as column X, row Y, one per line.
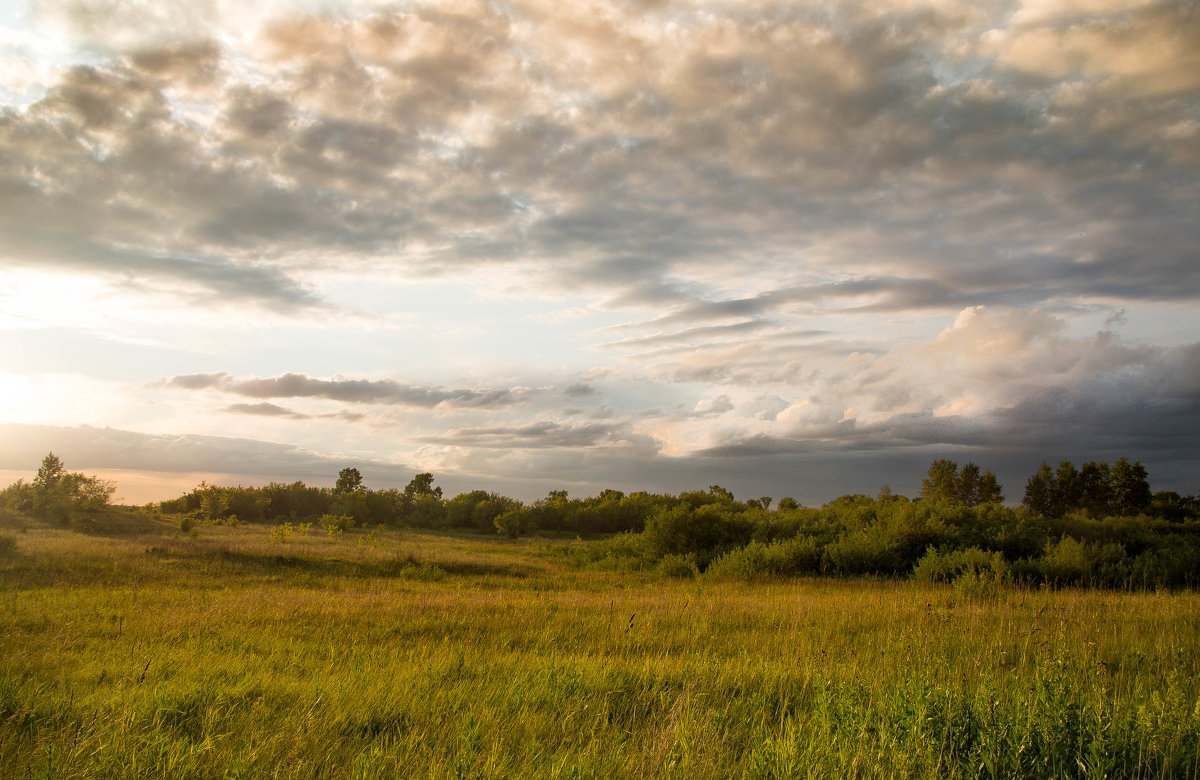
column 1096, row 490
column 947, row 482
column 1122, row 489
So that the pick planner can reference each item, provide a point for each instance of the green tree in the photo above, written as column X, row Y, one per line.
column 49, row 473
column 1039, row 491
column 86, row 493
column 423, row 502
column 56, row 491
column 1067, row 489
column 46, row 483
column 1096, row 488
column 968, row 484
column 1131, row 487
column 1172, row 507
column 725, row 496
column 353, row 504
column 942, row 481
column 422, row 485
column 513, row 523
column 349, row 480
column 990, row 491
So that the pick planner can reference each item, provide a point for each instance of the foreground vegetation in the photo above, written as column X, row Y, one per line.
column 129, row 648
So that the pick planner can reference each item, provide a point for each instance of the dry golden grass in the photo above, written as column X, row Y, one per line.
column 383, row 654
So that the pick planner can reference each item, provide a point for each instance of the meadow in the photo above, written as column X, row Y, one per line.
column 129, row 648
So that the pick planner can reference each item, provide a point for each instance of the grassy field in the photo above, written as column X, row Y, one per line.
column 130, row 649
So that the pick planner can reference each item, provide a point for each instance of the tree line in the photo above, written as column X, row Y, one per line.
column 1097, row 524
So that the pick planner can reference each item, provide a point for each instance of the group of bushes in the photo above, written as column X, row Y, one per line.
column 277, row 503
column 937, row 540
column 56, row 493
column 421, row 505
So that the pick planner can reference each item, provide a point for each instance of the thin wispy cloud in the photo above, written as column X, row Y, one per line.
column 355, row 391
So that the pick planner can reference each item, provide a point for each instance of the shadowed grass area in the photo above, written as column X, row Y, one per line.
column 393, row 654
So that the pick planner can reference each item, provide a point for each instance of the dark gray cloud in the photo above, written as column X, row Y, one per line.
column 579, row 390
column 1052, row 398
column 535, row 435
column 264, row 409
column 358, row 391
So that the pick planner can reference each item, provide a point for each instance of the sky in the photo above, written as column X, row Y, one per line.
column 791, row 248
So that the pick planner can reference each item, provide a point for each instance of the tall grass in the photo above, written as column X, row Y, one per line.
column 236, row 655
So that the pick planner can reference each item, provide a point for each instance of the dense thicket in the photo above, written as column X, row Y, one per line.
column 1096, row 525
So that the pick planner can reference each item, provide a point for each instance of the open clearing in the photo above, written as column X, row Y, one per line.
column 130, row 649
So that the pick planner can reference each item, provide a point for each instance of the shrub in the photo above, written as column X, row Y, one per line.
column 948, row 566
column 788, row 557
column 1072, row 562
column 188, row 522
column 425, row 572
column 1171, row 565
column 683, row 530
column 799, row 555
column 749, row 562
column 678, row 566
column 281, row 533
column 336, row 524
column 513, row 523
column 979, row 585
column 861, row 552
column 622, row 552
column 410, row 568
column 18, row 496
column 8, row 546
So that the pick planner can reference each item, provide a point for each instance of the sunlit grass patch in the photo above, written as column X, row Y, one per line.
column 229, row 653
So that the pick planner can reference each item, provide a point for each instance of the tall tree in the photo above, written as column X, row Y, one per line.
column 49, row 473
column 1096, row 488
column 58, row 492
column 968, row 484
column 941, row 482
column 1067, row 489
column 1131, row 487
column 421, row 486
column 990, row 491
column 1039, row 490
column 721, row 493
column 349, row 481
column 46, row 483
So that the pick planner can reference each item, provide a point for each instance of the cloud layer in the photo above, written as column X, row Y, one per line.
column 890, row 157
column 758, row 231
